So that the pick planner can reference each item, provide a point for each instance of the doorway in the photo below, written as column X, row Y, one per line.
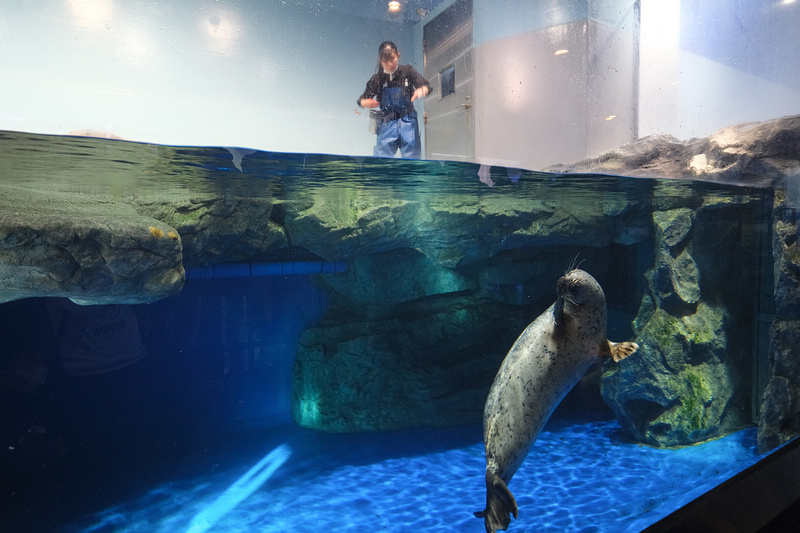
column 448, row 66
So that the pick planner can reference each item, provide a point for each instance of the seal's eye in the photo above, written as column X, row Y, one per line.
column 576, row 291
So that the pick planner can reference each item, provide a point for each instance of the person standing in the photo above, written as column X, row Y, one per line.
column 391, row 92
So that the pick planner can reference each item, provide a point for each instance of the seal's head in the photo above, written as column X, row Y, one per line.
column 579, row 294
column 580, row 288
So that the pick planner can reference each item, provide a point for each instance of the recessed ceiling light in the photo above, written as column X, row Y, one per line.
column 561, row 52
column 394, row 5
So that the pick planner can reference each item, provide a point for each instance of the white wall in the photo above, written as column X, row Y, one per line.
column 498, row 19
column 659, row 67
column 530, row 105
column 558, row 87
column 276, row 75
column 708, row 64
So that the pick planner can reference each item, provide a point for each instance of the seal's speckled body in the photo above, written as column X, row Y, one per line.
column 545, row 362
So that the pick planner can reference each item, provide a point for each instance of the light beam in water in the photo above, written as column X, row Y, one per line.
column 241, row 489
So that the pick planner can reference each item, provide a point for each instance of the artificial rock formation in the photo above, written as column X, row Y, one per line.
column 216, row 229
column 758, row 154
column 409, row 342
column 765, row 154
column 779, row 419
column 682, row 386
column 451, row 231
column 424, row 366
column 88, row 252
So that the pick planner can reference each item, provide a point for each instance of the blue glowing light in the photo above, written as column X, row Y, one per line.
column 241, row 489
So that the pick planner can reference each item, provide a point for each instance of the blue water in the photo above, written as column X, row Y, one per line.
column 578, row 477
column 162, row 445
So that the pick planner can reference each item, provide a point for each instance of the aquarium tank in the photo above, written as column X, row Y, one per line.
column 220, row 311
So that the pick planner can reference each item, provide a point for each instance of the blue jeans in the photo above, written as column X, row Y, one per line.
column 402, row 133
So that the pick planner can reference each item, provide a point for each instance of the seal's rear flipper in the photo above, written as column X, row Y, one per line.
column 500, row 504
column 619, row 350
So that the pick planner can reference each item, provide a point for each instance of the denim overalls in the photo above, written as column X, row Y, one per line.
column 398, row 127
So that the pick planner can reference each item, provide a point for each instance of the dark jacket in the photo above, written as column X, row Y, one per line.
column 404, row 72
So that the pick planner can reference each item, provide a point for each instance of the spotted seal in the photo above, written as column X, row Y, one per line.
column 545, row 362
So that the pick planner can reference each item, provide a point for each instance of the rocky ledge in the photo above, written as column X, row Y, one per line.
column 91, row 251
column 758, row 154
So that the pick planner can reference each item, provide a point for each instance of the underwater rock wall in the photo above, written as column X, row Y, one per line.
column 779, row 418
column 452, row 232
column 216, row 229
column 426, row 365
column 683, row 386
column 435, row 294
column 410, row 341
column 765, row 154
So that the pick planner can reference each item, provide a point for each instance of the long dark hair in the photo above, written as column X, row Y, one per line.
column 385, row 51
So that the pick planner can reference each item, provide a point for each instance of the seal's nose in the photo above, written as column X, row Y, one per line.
column 562, row 284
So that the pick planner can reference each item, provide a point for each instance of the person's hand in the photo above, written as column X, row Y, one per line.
column 419, row 93
column 369, row 103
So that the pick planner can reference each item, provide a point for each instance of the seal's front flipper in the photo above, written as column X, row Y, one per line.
column 500, row 504
column 619, row 350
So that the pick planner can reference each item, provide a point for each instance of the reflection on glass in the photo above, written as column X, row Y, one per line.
column 448, row 81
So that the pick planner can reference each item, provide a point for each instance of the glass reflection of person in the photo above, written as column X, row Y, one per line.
column 96, row 339
column 104, row 382
column 392, row 91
